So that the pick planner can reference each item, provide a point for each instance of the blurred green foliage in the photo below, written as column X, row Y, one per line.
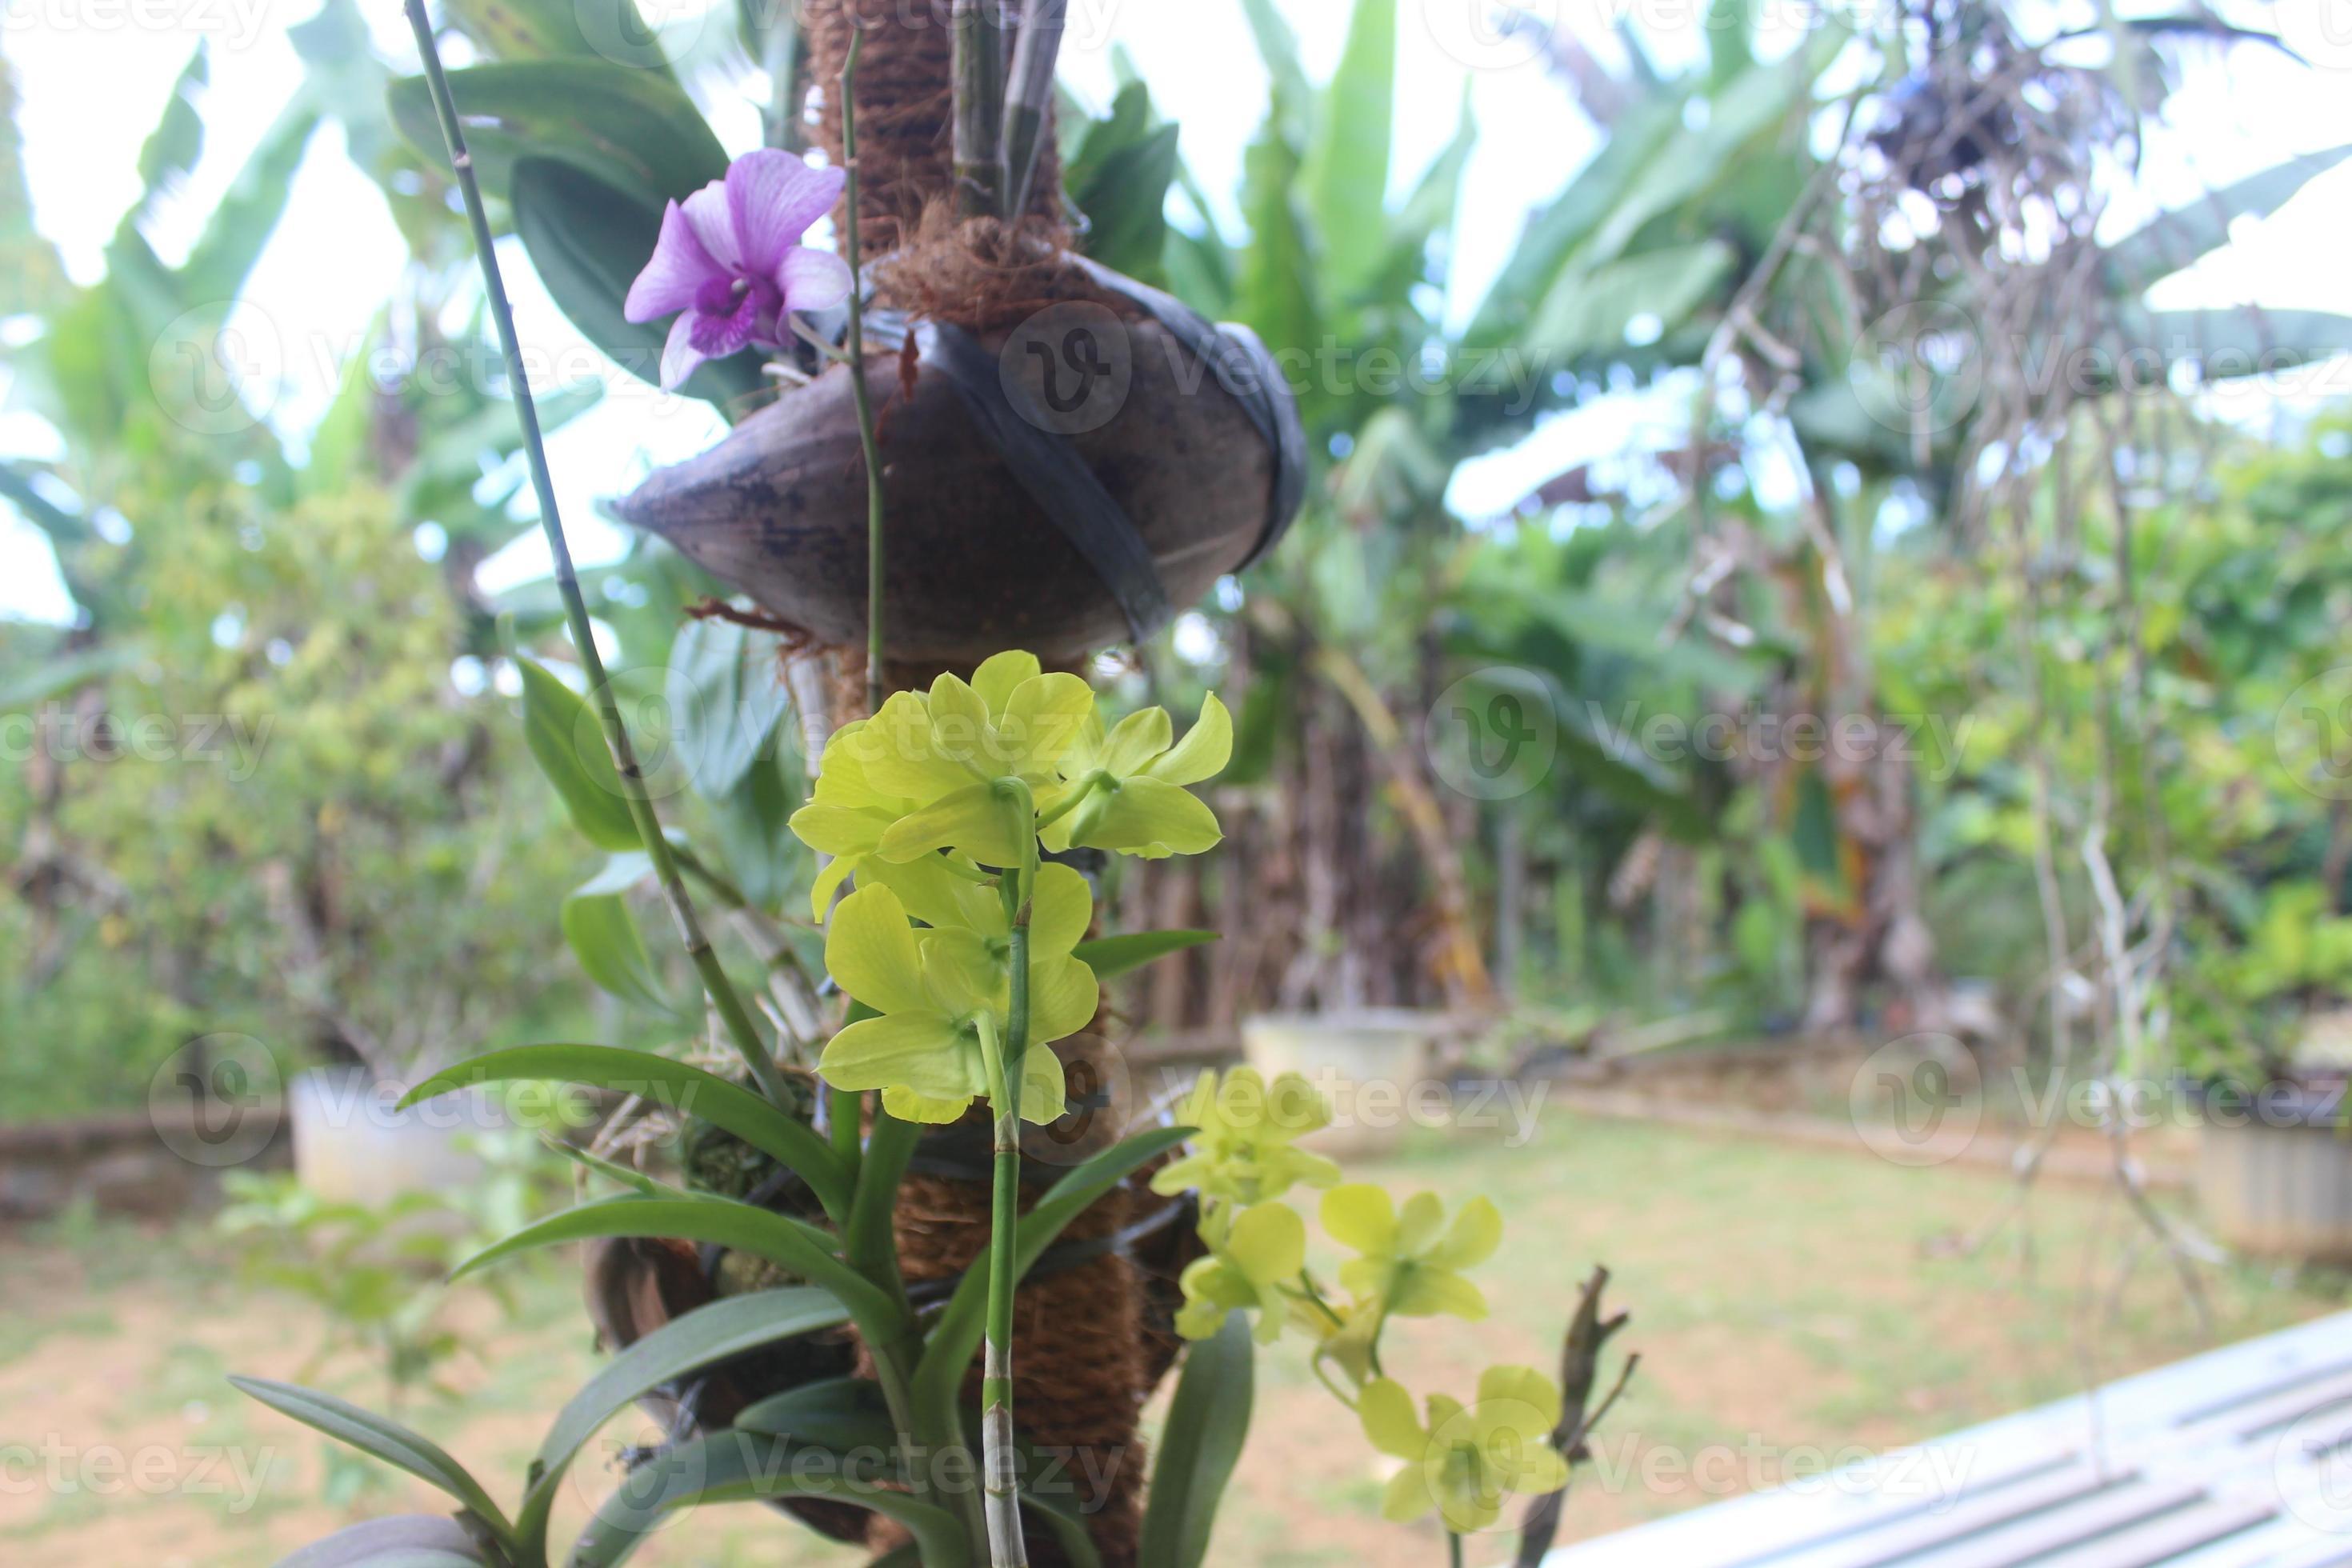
column 305, row 833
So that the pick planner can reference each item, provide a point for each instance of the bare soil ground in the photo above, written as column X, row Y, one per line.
column 1789, row 1303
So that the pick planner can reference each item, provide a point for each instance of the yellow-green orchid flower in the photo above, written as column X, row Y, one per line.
column 1249, row 1262
column 1129, row 785
column 1407, row 1265
column 969, row 917
column 943, row 754
column 846, row 816
column 943, row 998
column 1466, row 1462
column 1242, row 1151
column 1350, row 1335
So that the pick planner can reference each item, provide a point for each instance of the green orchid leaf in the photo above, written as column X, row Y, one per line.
column 568, row 743
column 743, row 1466
column 636, row 131
column 1061, row 1516
column 518, row 29
column 1110, row 956
column 380, row 1438
column 839, row 1413
column 889, row 1145
column 558, row 29
column 708, row 1334
column 722, row 1222
column 629, row 1176
column 397, row 1540
column 605, row 938
column 1208, row 1421
column 688, row 1090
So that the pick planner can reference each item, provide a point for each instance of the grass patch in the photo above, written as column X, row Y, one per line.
column 1790, row 1304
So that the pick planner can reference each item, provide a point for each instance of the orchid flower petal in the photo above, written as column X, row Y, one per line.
column 1203, row 752
column 1044, row 1093
column 718, row 334
column 676, row 271
column 1519, row 1400
column 1408, row 1496
column 1063, row 997
column 772, row 199
column 1473, row 1237
column 1139, row 737
column 961, row 973
column 714, row 225
column 1391, row 1421
column 680, row 358
column 811, row 279
column 1360, row 1216
column 1151, row 817
column 908, row 1106
column 1437, row 1293
column 1060, row 910
column 1044, row 719
column 1001, row 674
column 973, row 819
column 828, row 882
column 904, row 1050
column 870, row 952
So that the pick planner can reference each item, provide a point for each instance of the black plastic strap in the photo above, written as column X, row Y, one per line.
column 1245, row 369
column 1049, row 469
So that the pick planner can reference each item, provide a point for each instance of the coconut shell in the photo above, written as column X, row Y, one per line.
column 973, row 563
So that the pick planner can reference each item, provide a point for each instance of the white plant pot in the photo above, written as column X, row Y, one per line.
column 1371, row 1065
column 2275, row 1181
column 353, row 1145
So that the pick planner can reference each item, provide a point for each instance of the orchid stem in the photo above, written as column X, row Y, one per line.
column 730, row 1006
column 1061, row 808
column 864, row 400
column 1005, row 1547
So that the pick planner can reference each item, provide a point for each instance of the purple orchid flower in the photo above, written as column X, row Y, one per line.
column 730, row 259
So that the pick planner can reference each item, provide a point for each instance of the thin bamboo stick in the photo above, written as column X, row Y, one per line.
column 1028, row 95
column 732, row 1011
column 864, row 399
column 979, row 68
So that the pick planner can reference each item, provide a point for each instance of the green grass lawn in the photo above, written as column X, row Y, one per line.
column 1790, row 1305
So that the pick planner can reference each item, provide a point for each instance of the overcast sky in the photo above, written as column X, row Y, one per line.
column 93, row 84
